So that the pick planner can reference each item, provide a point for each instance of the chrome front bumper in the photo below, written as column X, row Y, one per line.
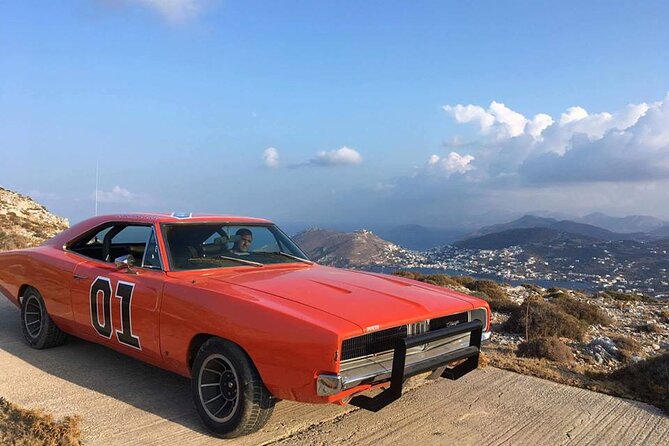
column 415, row 354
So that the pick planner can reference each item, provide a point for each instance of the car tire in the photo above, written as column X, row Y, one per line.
column 36, row 324
column 228, row 392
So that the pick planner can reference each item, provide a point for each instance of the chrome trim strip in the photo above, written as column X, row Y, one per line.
column 378, row 367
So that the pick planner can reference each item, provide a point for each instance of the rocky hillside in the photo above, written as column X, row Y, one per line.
column 353, row 249
column 610, row 342
column 24, row 222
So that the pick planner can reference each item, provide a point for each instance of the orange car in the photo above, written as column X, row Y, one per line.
column 234, row 304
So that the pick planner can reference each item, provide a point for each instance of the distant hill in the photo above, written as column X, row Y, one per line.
column 24, row 222
column 352, row 249
column 522, row 237
column 567, row 226
column 418, row 237
column 629, row 224
column 527, row 221
column 661, row 232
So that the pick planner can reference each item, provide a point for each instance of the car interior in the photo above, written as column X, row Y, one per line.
column 115, row 241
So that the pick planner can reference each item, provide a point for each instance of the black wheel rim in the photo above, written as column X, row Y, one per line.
column 218, row 385
column 32, row 316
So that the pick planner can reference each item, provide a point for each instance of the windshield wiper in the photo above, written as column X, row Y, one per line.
column 234, row 259
column 300, row 259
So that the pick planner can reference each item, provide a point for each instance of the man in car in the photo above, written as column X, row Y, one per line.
column 242, row 241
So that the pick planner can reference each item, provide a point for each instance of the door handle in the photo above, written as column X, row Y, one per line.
column 78, row 277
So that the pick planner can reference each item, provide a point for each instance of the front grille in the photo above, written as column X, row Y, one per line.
column 384, row 340
column 371, row 343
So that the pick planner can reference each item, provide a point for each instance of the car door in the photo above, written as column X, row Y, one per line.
column 118, row 306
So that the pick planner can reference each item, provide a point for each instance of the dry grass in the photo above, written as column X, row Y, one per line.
column 650, row 328
column 627, row 347
column 664, row 316
column 24, row 427
column 13, row 241
column 646, row 381
column 551, row 348
column 541, row 368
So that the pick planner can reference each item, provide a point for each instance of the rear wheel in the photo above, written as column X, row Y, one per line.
column 229, row 395
column 38, row 328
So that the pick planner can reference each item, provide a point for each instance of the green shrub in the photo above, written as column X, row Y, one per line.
column 463, row 280
column 492, row 289
column 408, row 274
column 544, row 320
column 647, row 380
column 532, row 287
column 625, row 297
column 550, row 348
column 585, row 312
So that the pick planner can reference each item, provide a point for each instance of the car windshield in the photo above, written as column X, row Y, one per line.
column 215, row 245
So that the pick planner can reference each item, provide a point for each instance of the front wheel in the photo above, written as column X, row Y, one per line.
column 229, row 395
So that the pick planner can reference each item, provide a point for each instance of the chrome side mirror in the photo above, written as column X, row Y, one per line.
column 127, row 261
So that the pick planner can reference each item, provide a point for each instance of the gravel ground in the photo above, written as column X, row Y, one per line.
column 123, row 401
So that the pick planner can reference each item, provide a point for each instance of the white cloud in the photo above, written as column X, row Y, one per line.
column 118, row 194
column 498, row 120
column 631, row 144
column 511, row 123
column 538, row 124
column 453, row 163
column 270, row 157
column 175, row 11
column 471, row 113
column 573, row 114
column 340, row 157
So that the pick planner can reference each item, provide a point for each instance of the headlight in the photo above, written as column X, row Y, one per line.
column 482, row 315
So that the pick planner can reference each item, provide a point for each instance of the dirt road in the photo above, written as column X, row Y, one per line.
column 123, row 401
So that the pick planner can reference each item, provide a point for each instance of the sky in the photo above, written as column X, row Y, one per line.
column 450, row 114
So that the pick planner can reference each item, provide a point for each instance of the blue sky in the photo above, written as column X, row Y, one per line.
column 178, row 100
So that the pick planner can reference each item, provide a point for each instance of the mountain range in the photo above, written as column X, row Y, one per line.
column 654, row 229
column 629, row 224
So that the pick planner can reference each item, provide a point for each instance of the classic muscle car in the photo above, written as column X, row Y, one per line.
column 235, row 305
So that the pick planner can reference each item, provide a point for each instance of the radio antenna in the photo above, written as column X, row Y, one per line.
column 97, row 170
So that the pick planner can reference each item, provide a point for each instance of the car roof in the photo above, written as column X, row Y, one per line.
column 148, row 218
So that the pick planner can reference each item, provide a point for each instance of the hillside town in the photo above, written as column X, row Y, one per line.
column 604, row 271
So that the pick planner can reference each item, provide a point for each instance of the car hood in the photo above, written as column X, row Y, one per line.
column 371, row 301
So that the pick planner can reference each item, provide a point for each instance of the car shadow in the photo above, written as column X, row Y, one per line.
column 105, row 371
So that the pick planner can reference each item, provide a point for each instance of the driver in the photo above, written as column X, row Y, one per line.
column 243, row 241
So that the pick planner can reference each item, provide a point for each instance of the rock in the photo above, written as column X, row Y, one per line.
column 606, row 344
column 599, row 359
column 655, row 346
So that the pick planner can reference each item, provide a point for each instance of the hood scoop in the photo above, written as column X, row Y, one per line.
column 333, row 287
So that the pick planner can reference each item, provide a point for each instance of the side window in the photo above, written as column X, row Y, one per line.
column 151, row 254
column 92, row 246
column 132, row 235
column 114, row 241
column 131, row 240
